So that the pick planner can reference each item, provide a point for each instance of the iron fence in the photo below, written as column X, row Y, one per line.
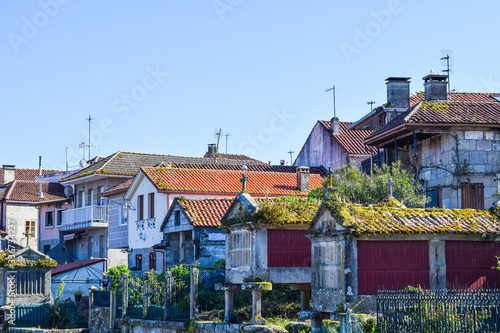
column 419, row 310
column 208, row 298
column 178, row 297
column 34, row 315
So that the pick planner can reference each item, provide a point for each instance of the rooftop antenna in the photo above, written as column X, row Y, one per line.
column 371, row 104
column 447, row 61
column 291, row 158
column 40, row 173
column 227, row 135
column 217, row 135
column 90, row 121
column 67, row 159
column 333, row 89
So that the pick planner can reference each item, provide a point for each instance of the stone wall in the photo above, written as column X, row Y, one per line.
column 481, row 150
column 152, row 326
column 99, row 320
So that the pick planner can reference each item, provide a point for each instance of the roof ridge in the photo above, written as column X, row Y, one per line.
column 224, row 170
column 106, row 163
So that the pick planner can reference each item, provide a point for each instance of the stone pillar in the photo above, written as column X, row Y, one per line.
column 125, row 295
column 228, row 289
column 145, row 293
column 193, row 292
column 437, row 264
column 305, row 295
column 182, row 247
column 168, row 292
column 317, row 323
column 257, row 288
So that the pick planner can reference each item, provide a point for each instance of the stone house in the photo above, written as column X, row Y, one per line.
column 266, row 242
column 450, row 140
column 191, row 231
column 154, row 189
column 331, row 144
column 358, row 250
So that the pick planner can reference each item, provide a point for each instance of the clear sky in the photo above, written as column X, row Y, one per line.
column 160, row 76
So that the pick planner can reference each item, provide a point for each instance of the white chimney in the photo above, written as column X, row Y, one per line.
column 335, row 124
column 9, row 173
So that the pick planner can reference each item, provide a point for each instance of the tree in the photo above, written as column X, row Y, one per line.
column 360, row 188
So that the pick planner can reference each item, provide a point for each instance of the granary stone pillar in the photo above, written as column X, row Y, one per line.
column 257, row 288
column 305, row 295
column 229, row 290
column 437, row 264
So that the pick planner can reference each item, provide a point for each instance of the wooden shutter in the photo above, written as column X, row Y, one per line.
column 151, row 205
column 473, row 195
column 140, row 209
column 152, row 261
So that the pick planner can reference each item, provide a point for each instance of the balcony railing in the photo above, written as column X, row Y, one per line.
column 84, row 217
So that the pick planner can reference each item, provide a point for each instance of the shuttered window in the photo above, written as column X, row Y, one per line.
column 151, row 202
column 152, row 261
column 473, row 195
column 140, row 207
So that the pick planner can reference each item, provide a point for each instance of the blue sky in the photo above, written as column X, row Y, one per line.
column 160, row 76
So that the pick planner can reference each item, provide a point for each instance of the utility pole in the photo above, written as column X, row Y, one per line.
column 333, row 89
column 90, row 121
column 371, row 105
column 291, row 158
column 447, row 70
column 227, row 137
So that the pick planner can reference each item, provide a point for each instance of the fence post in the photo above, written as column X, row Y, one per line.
column 193, row 291
column 124, row 294
column 145, row 295
column 168, row 293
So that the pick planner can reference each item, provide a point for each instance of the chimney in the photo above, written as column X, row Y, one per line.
column 212, row 150
column 398, row 92
column 9, row 173
column 436, row 87
column 303, row 178
column 40, row 173
column 335, row 125
column 282, row 162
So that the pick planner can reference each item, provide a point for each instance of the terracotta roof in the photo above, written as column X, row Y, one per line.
column 206, row 212
column 74, row 265
column 252, row 167
column 128, row 164
column 120, row 187
column 227, row 181
column 383, row 220
column 419, row 96
column 351, row 140
column 447, row 113
column 26, row 174
column 28, row 191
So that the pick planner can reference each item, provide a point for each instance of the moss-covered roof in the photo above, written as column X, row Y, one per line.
column 390, row 219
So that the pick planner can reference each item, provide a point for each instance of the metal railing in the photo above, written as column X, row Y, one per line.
column 34, row 315
column 419, row 310
column 85, row 214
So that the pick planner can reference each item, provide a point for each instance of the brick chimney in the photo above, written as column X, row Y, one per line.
column 335, row 124
column 9, row 173
column 303, row 178
column 436, row 87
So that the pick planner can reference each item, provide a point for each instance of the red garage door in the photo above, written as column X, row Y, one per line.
column 288, row 248
column 392, row 265
column 472, row 264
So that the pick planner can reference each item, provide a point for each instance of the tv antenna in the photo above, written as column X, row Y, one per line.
column 227, row 135
column 217, row 135
column 291, row 158
column 90, row 121
column 447, row 61
column 371, row 104
column 333, row 89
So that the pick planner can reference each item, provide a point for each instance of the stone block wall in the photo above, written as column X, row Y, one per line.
column 479, row 148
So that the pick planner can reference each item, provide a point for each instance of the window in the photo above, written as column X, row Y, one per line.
column 59, row 217
column 140, row 207
column 125, row 211
column 46, row 248
column 151, row 205
column 90, row 247
column 152, row 261
column 473, row 196
column 436, row 198
column 138, row 261
column 30, row 228
column 49, row 219
column 90, row 196
column 177, row 217
column 101, row 246
column 80, row 202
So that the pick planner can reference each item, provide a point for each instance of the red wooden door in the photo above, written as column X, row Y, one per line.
column 472, row 264
column 288, row 248
column 392, row 265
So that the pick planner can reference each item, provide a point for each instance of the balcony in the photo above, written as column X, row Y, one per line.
column 90, row 217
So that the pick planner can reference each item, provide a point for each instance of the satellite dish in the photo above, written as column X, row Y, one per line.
column 83, row 163
column 68, row 191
